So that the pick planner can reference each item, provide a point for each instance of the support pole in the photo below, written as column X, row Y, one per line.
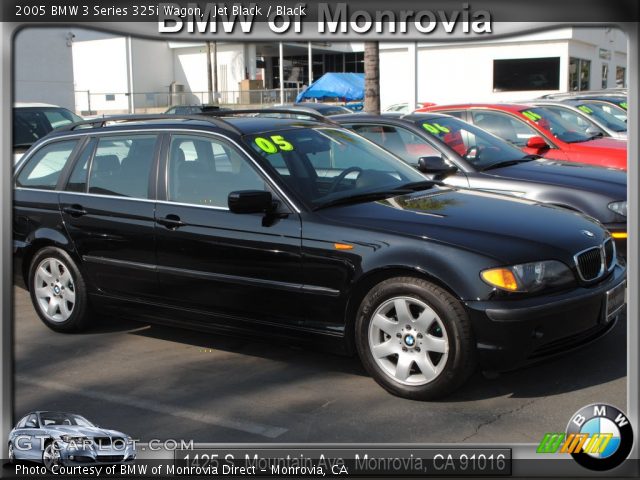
column 310, row 66
column 281, row 73
column 412, row 91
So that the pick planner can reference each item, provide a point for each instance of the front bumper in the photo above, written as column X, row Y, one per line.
column 95, row 456
column 513, row 333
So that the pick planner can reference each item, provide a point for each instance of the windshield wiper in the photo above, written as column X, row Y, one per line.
column 416, row 186
column 364, row 197
column 508, row 163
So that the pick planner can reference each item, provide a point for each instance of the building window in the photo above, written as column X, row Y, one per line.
column 605, row 75
column 526, row 74
column 110, row 97
column 621, row 77
column 579, row 74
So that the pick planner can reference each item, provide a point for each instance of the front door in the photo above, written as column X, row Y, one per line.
column 235, row 266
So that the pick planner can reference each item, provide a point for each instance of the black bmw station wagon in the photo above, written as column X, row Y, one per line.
column 300, row 229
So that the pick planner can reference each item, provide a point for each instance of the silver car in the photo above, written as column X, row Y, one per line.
column 57, row 438
column 586, row 115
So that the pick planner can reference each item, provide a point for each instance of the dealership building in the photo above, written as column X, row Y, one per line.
column 96, row 72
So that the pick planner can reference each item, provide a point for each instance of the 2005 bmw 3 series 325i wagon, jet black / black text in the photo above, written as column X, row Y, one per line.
column 302, row 230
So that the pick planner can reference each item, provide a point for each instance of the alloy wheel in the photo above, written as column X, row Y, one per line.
column 408, row 341
column 54, row 289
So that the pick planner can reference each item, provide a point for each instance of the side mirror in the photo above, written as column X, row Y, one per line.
column 594, row 132
column 537, row 143
column 435, row 165
column 250, row 201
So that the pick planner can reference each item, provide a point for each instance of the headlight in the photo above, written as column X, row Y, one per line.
column 128, row 440
column 529, row 277
column 618, row 207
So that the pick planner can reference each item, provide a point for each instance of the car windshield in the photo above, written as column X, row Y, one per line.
column 58, row 418
column 33, row 123
column 479, row 147
column 604, row 114
column 561, row 129
column 325, row 166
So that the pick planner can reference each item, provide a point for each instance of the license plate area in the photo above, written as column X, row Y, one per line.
column 615, row 300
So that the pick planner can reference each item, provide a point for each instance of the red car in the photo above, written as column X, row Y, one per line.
column 538, row 131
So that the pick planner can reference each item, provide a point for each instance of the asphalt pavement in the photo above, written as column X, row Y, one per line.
column 156, row 382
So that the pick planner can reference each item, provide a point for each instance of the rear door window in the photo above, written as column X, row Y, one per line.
column 504, row 126
column 121, row 166
column 43, row 169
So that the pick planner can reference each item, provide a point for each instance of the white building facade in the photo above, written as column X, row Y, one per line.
column 93, row 72
column 563, row 60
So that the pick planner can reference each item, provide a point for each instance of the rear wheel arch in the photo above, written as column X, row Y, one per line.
column 37, row 244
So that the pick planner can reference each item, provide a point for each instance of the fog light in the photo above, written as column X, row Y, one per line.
column 72, row 458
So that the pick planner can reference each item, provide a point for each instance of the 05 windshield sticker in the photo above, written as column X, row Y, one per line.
column 435, row 128
column 533, row 116
column 273, row 144
column 585, row 109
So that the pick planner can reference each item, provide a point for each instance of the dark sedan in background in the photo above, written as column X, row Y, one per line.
column 448, row 149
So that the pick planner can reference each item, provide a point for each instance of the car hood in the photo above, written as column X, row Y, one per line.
column 607, row 181
column 608, row 143
column 507, row 229
column 83, row 431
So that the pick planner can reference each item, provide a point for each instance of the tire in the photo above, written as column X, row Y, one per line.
column 12, row 455
column 58, row 291
column 50, row 456
column 428, row 354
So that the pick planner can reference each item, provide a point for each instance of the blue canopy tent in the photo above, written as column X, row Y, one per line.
column 345, row 86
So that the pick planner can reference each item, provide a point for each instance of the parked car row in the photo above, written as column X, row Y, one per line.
column 457, row 153
column 389, row 238
column 539, row 131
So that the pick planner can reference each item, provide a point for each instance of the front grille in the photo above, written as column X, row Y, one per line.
column 102, row 441
column 590, row 263
column 609, row 253
column 110, row 458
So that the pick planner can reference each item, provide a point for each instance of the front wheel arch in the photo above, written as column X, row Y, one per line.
column 369, row 281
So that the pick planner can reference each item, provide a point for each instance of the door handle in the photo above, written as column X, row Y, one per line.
column 75, row 210
column 171, row 222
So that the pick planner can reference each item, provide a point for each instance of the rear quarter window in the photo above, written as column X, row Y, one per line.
column 43, row 169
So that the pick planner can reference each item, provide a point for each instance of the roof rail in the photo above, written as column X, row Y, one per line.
column 101, row 122
column 290, row 111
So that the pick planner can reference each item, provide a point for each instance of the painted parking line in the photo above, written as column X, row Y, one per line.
column 264, row 430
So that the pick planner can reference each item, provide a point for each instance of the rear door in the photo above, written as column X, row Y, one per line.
column 108, row 210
